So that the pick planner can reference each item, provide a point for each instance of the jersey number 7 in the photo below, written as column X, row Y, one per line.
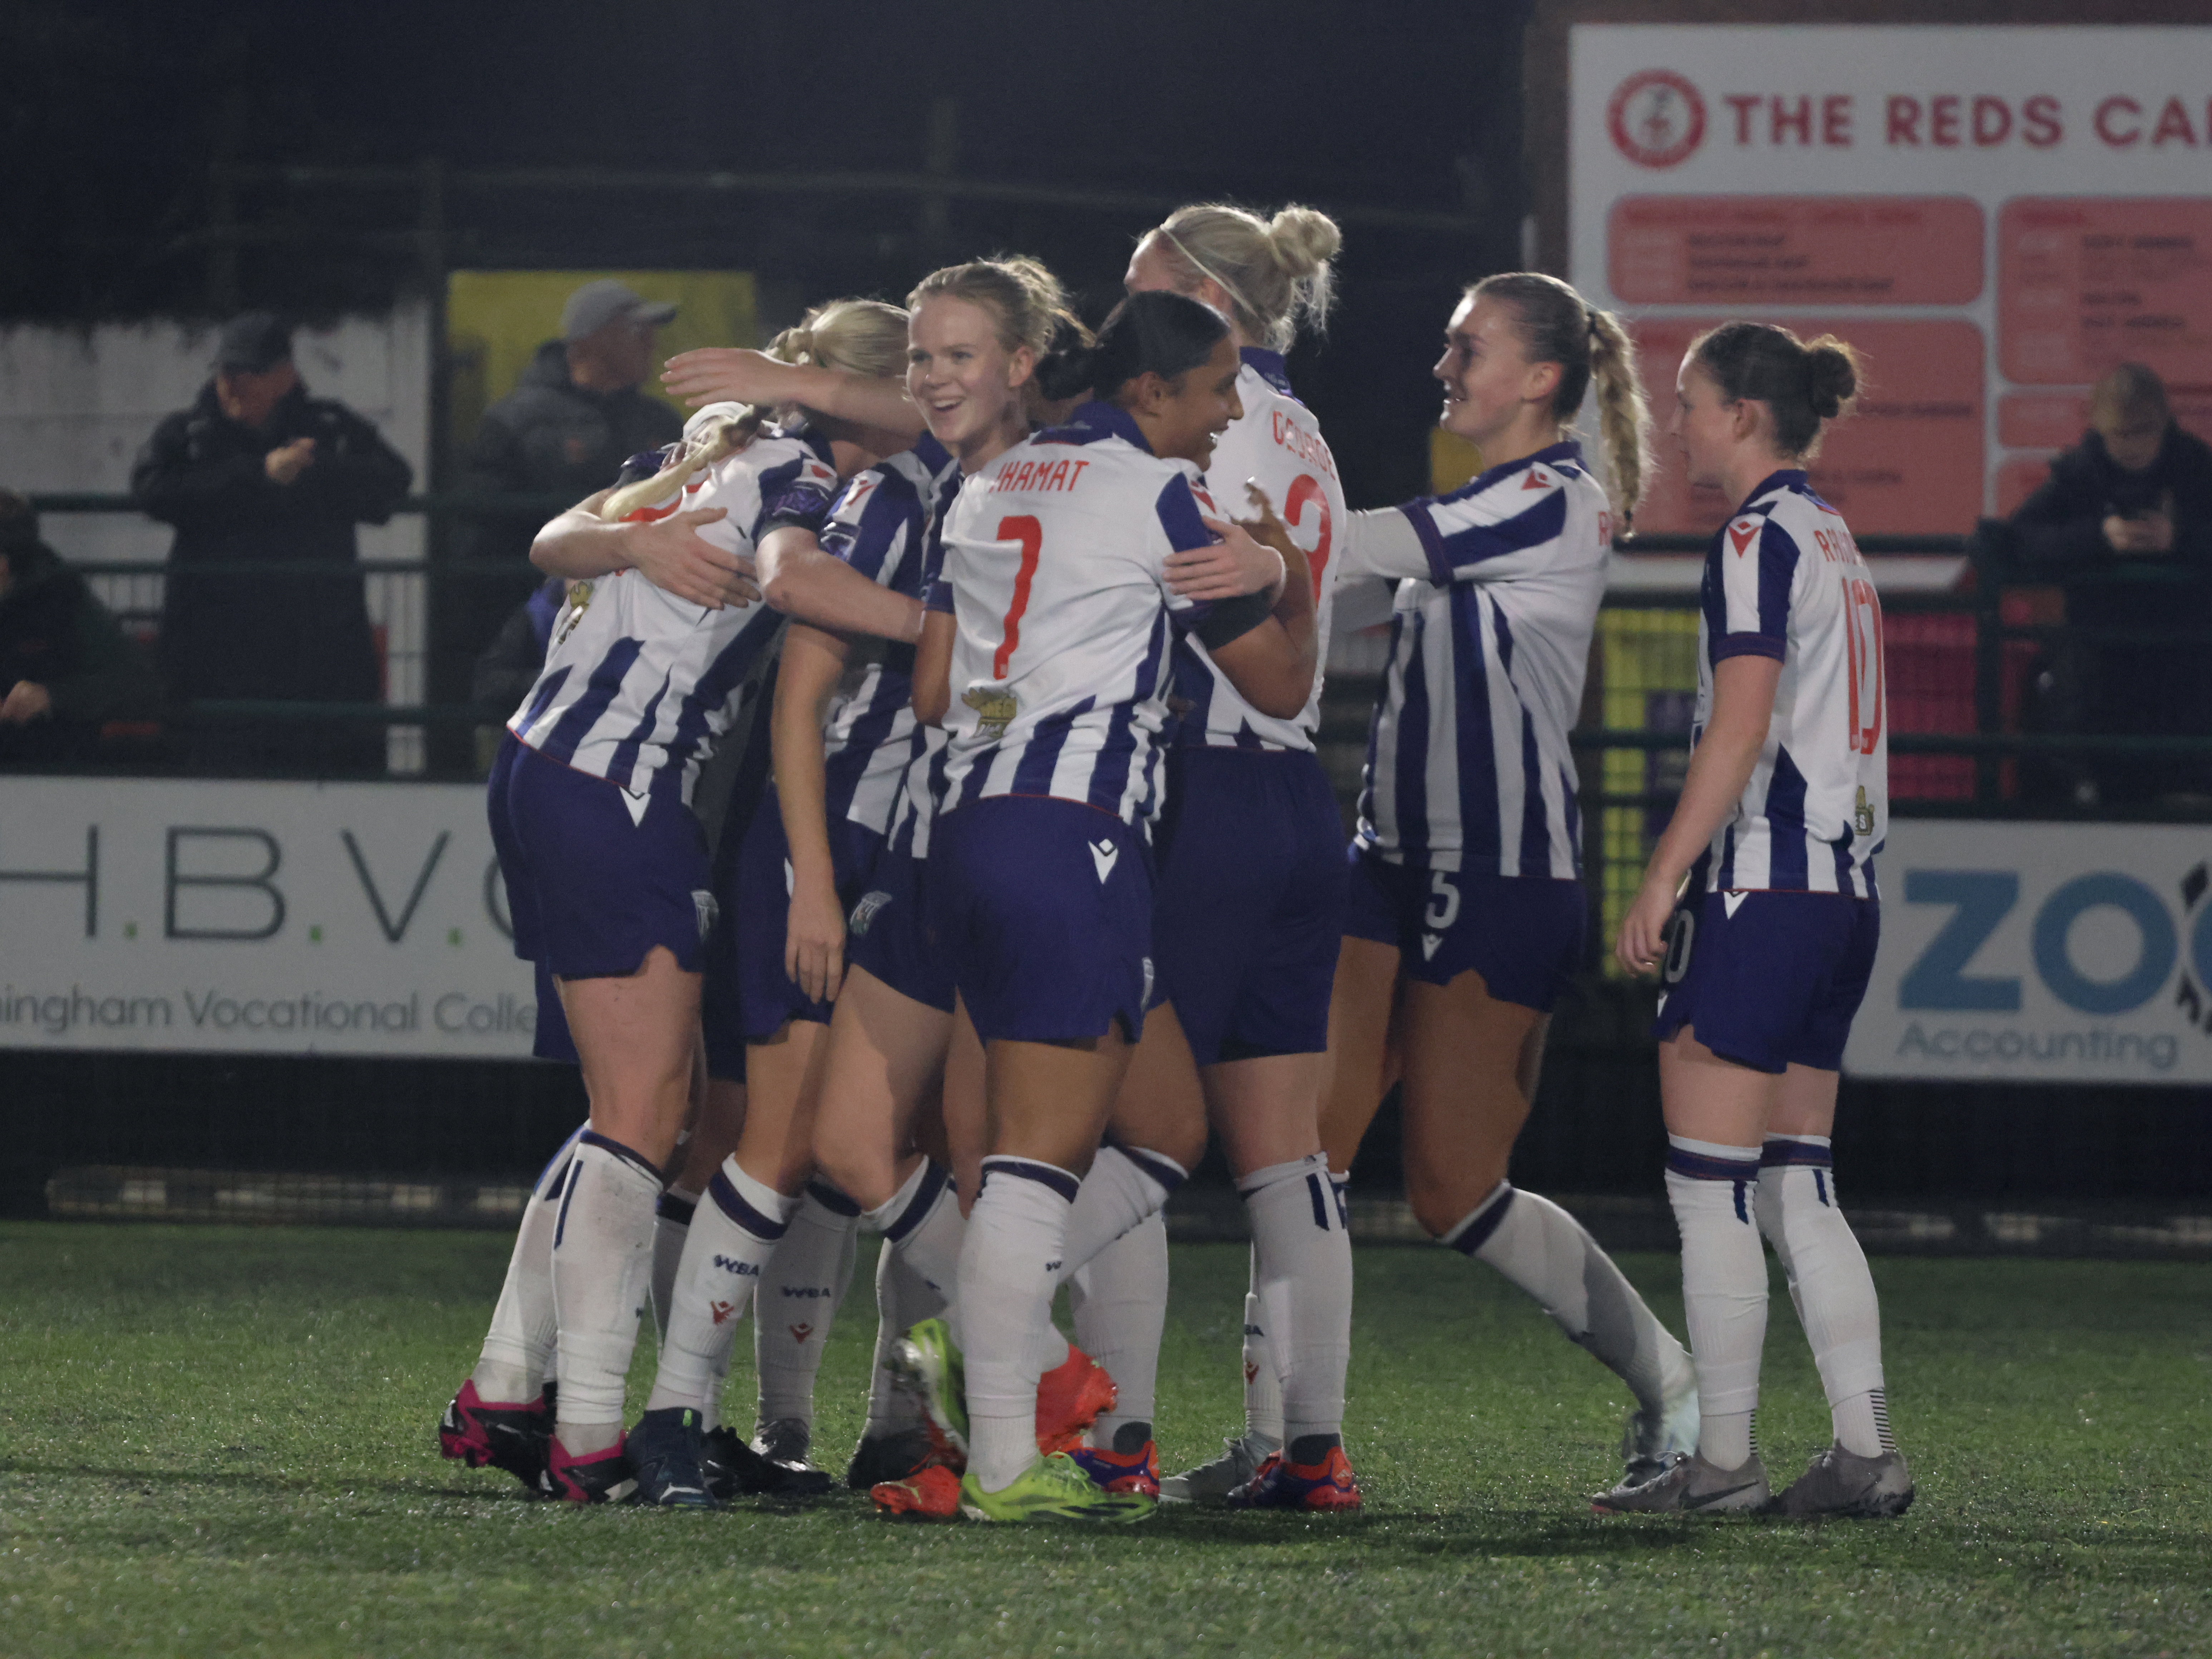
column 1021, row 527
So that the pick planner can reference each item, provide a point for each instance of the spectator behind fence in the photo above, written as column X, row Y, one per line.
column 2124, row 521
column 510, row 665
column 65, row 666
column 257, row 472
column 575, row 416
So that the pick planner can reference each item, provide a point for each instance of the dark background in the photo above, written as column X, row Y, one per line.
column 115, row 119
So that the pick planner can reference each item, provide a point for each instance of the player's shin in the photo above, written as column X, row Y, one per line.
column 518, row 1348
column 800, row 1291
column 1710, row 1188
column 1302, row 1281
column 1120, row 1299
column 1829, row 1282
column 1009, row 1265
column 602, row 1260
column 733, row 1232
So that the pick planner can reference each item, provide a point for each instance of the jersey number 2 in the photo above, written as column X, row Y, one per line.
column 1021, row 527
column 1308, row 489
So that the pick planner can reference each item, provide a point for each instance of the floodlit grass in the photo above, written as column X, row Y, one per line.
column 219, row 1440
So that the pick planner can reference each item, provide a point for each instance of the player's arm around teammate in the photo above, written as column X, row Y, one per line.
column 1765, row 957
column 1467, row 914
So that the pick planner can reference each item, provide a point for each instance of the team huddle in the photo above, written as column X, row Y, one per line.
column 994, row 647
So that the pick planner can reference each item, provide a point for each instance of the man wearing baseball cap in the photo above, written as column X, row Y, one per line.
column 257, row 472
column 575, row 416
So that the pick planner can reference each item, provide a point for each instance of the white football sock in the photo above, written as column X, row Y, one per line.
column 1120, row 1303
column 922, row 1222
column 1126, row 1186
column 1551, row 1255
column 800, row 1291
column 1710, row 1188
column 1830, row 1285
column 903, row 1300
column 1009, row 1268
column 671, row 1225
column 602, row 1262
column 518, row 1348
column 1303, row 1256
column 1263, row 1381
column 733, row 1233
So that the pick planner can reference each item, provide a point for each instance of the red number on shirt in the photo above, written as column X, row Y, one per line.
column 1862, row 650
column 1308, row 489
column 1021, row 527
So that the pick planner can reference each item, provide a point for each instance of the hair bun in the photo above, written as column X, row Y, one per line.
column 793, row 345
column 1831, row 376
column 1303, row 240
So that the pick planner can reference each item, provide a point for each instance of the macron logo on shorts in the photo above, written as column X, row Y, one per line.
column 1733, row 903
column 1103, row 853
column 1429, row 943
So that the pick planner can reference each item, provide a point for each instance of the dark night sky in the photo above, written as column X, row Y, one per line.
column 113, row 113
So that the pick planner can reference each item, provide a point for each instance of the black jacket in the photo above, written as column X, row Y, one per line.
column 2059, row 530
column 56, row 633
column 267, row 636
column 551, row 437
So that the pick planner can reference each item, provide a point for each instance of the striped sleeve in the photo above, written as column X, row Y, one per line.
column 1216, row 622
column 794, row 492
column 1493, row 533
column 873, row 523
column 1749, row 613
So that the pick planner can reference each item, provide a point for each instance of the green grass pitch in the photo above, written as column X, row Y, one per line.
column 220, row 1441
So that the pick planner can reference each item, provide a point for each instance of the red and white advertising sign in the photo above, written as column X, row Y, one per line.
column 1994, row 215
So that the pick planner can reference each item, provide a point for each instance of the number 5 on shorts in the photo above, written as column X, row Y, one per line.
column 1443, row 902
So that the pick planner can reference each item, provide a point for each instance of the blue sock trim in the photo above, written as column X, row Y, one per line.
column 831, row 1200
column 571, row 1176
column 1781, row 1150
column 731, row 1203
column 559, row 1161
column 1474, row 1232
column 1315, row 1190
column 677, row 1210
column 933, row 1181
column 1045, row 1174
column 1701, row 1166
column 629, row 1155
column 1168, row 1174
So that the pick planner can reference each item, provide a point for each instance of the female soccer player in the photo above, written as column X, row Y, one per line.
column 1466, row 914
column 1771, row 937
column 609, row 887
column 1246, row 923
column 1059, row 648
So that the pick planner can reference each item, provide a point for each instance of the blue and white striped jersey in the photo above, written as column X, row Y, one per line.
column 880, row 526
column 921, row 783
column 1468, row 762
column 1054, row 563
column 1783, row 579
column 637, row 683
column 1277, row 446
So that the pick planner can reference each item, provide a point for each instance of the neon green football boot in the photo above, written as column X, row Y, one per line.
column 927, row 1360
column 1054, row 1488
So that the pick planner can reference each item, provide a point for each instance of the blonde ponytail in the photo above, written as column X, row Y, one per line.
column 1623, row 413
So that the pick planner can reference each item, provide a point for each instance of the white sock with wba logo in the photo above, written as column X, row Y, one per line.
column 1263, row 1380
column 800, row 1294
column 903, row 1300
column 1302, row 1281
column 1126, row 1185
column 518, row 1348
column 1548, row 1254
column 1009, row 1265
column 602, row 1261
column 733, row 1233
column 1120, row 1299
column 671, row 1225
column 1830, row 1285
column 1711, row 1189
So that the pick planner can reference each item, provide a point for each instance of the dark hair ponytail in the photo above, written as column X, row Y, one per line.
column 1802, row 383
column 1156, row 333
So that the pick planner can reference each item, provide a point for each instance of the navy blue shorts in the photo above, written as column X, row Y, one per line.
column 1249, row 906
column 1524, row 934
column 888, row 932
column 591, row 889
column 549, row 1037
column 1044, row 910
column 1769, row 979
column 754, row 891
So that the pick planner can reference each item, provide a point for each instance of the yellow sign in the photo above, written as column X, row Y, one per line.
column 495, row 320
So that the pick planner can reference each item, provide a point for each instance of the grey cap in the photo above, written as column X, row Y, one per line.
column 254, row 342
column 595, row 305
